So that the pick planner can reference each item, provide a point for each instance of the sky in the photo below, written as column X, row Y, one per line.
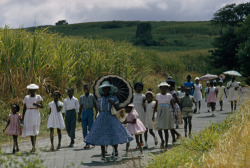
column 28, row 13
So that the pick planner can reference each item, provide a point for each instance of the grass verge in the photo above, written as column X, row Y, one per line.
column 220, row 145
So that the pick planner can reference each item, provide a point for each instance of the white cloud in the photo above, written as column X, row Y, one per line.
column 46, row 12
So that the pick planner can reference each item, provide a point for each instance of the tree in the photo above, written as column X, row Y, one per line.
column 61, row 22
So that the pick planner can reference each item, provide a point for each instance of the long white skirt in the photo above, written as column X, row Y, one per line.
column 31, row 125
column 56, row 120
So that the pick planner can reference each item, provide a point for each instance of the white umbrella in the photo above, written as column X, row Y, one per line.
column 233, row 73
column 208, row 77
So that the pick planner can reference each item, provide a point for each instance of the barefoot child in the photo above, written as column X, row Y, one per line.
column 150, row 106
column 14, row 128
column 70, row 106
column 134, row 125
column 55, row 119
column 31, row 115
column 221, row 91
column 165, row 118
column 187, row 110
column 139, row 104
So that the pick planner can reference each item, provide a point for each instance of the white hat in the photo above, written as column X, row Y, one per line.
column 113, row 89
column 208, row 81
column 32, row 86
column 163, row 84
column 197, row 78
column 131, row 105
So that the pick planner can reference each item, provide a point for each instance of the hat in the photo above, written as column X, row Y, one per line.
column 131, row 105
column 149, row 92
column 113, row 89
column 163, row 84
column 57, row 91
column 32, row 87
column 197, row 78
column 171, row 82
column 138, row 83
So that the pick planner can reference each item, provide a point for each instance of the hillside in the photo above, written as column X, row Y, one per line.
column 173, row 36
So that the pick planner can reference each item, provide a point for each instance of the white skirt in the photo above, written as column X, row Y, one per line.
column 197, row 96
column 140, row 110
column 56, row 120
column 31, row 125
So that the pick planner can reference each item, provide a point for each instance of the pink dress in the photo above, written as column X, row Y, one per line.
column 211, row 95
column 14, row 127
column 138, row 127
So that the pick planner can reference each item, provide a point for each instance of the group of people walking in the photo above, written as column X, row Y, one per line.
column 109, row 129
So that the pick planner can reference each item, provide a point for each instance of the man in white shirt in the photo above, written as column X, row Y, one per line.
column 70, row 106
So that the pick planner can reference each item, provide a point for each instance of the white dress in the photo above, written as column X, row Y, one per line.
column 149, row 114
column 232, row 93
column 138, row 101
column 31, row 122
column 197, row 92
column 55, row 118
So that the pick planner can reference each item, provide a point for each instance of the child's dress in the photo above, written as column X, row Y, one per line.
column 177, row 109
column 149, row 115
column 190, row 85
column 136, row 128
column 14, row 127
column 212, row 95
column 165, row 118
column 31, row 122
column 138, row 101
column 197, row 92
column 220, row 95
column 55, row 118
column 232, row 93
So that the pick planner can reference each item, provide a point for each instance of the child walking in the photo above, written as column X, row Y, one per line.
column 150, row 106
column 197, row 94
column 187, row 110
column 189, row 84
column 14, row 128
column 134, row 125
column 139, row 104
column 86, row 112
column 211, row 99
column 71, row 107
column 221, row 92
column 55, row 119
column 31, row 115
column 206, row 95
column 165, row 118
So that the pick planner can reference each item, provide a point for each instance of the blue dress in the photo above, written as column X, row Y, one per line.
column 190, row 85
column 107, row 129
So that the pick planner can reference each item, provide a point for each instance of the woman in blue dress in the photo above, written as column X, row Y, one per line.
column 107, row 129
column 190, row 84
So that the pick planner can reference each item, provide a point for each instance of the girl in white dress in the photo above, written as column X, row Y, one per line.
column 139, row 105
column 233, row 95
column 31, row 115
column 55, row 119
column 150, row 106
column 197, row 93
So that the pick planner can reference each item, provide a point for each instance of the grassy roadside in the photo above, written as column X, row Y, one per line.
column 220, row 145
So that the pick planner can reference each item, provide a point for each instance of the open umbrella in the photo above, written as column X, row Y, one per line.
column 208, row 77
column 124, row 91
column 233, row 73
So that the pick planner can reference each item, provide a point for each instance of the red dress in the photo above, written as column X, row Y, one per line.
column 14, row 127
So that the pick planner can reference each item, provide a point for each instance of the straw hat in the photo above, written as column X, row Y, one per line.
column 163, row 84
column 107, row 84
column 32, row 87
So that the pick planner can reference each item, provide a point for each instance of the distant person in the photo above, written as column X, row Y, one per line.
column 139, row 105
column 189, row 84
column 187, row 110
column 165, row 117
column 31, row 115
column 180, row 93
column 233, row 95
column 150, row 107
column 206, row 95
column 197, row 94
column 221, row 93
column 134, row 125
column 211, row 99
column 86, row 112
column 221, row 79
column 70, row 107
column 215, row 83
column 55, row 119
column 14, row 127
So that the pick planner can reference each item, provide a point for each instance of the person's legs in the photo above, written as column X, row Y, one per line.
column 166, row 138
column 185, row 125
column 13, row 150
column 116, row 150
column 161, row 137
column 235, row 103
column 52, row 138
column 138, row 143
column 17, row 148
column 190, row 125
column 59, row 138
column 141, row 141
column 146, row 138
column 84, row 122
column 221, row 105
column 232, row 106
column 153, row 134
column 199, row 106
column 172, row 131
column 212, row 107
column 103, row 153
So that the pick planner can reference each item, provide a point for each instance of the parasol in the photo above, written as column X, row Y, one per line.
column 208, row 77
column 124, row 91
column 233, row 73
